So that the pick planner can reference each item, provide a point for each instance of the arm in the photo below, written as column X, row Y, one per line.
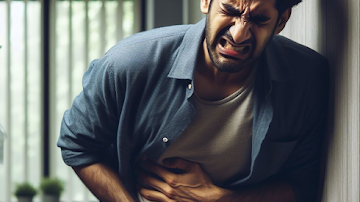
column 103, row 182
column 89, row 131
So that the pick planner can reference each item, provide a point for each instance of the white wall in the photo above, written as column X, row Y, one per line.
column 343, row 51
column 332, row 28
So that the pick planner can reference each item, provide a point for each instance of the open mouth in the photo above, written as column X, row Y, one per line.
column 228, row 48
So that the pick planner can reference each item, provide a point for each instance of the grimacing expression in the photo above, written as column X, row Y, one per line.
column 237, row 32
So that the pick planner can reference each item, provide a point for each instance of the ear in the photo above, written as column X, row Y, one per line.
column 282, row 21
column 205, row 6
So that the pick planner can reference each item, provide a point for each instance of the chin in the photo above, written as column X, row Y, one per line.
column 228, row 70
column 233, row 66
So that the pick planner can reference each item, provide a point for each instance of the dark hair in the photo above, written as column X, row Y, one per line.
column 282, row 5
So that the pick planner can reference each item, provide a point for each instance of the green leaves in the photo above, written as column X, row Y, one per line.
column 25, row 189
column 52, row 186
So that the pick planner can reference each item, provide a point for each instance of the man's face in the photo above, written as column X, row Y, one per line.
column 237, row 32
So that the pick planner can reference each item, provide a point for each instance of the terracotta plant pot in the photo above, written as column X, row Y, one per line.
column 50, row 198
column 24, row 199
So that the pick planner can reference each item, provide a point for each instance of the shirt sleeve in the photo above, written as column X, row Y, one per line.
column 302, row 169
column 89, row 127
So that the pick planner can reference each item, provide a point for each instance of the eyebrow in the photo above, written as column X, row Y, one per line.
column 234, row 11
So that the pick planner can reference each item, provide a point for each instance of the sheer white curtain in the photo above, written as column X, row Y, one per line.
column 80, row 31
column 20, row 93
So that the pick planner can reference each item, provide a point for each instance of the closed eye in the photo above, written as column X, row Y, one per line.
column 260, row 19
column 234, row 12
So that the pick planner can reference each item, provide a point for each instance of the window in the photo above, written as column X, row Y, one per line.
column 80, row 31
column 20, row 92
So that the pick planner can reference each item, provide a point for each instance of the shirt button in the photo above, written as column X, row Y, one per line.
column 189, row 86
column 165, row 139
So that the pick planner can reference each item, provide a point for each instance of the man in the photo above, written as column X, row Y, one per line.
column 218, row 111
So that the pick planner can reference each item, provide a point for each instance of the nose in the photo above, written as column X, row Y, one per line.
column 240, row 30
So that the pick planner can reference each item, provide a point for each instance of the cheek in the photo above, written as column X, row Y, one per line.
column 219, row 25
column 261, row 36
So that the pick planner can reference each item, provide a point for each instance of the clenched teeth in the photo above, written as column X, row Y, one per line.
column 228, row 46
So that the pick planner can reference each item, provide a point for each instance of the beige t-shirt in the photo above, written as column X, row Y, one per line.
column 219, row 138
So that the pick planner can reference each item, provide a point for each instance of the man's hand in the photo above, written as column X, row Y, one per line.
column 179, row 180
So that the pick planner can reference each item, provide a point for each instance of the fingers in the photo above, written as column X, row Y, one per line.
column 152, row 182
column 152, row 195
column 160, row 171
column 160, row 184
column 155, row 189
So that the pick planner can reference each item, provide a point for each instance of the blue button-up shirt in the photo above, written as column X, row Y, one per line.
column 136, row 101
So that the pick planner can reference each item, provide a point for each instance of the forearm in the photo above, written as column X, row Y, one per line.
column 273, row 191
column 103, row 182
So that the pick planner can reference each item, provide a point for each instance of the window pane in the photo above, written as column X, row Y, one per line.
column 62, row 83
column 111, row 16
column 94, row 30
column 128, row 23
column 62, row 58
column 78, row 32
column 17, row 91
column 34, row 92
column 67, row 83
column 3, row 85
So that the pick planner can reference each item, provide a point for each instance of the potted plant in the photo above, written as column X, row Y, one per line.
column 51, row 189
column 25, row 192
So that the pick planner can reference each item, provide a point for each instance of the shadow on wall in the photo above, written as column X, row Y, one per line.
column 334, row 37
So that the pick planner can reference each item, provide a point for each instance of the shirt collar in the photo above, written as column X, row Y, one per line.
column 183, row 67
